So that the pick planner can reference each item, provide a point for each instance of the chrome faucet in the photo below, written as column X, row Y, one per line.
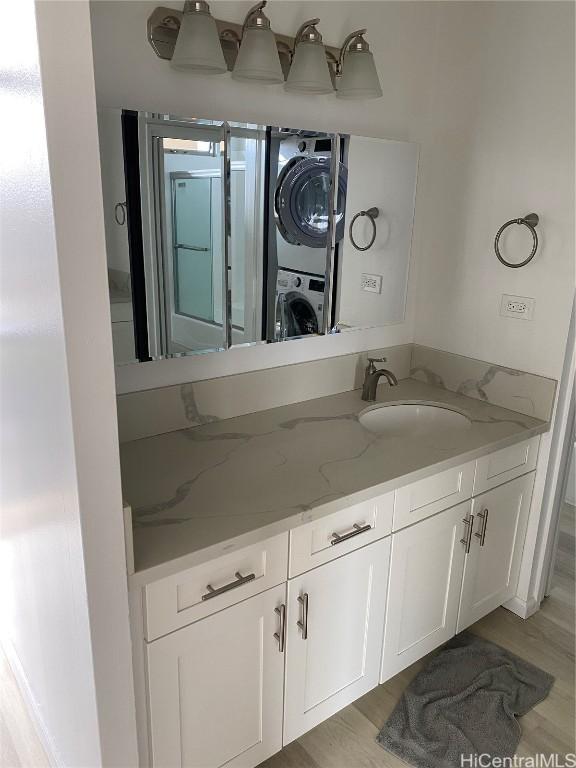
column 372, row 376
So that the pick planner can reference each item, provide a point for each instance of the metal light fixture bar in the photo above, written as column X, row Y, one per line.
column 353, row 42
column 164, row 23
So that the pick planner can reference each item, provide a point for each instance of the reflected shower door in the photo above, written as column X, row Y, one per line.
column 203, row 279
column 185, row 171
column 193, row 248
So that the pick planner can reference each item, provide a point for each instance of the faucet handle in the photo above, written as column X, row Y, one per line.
column 371, row 368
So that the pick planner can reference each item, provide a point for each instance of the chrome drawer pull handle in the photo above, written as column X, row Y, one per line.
column 281, row 634
column 481, row 534
column 303, row 624
column 467, row 540
column 227, row 587
column 338, row 538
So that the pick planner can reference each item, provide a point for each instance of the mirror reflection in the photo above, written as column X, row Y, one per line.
column 299, row 242
column 221, row 234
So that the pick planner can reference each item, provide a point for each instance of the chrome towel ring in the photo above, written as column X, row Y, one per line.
column 372, row 214
column 531, row 221
column 120, row 213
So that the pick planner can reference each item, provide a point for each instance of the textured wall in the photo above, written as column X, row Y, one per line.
column 500, row 145
column 64, row 594
column 45, row 611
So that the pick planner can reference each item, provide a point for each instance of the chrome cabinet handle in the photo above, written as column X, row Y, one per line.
column 467, row 540
column 227, row 587
column 281, row 634
column 303, row 623
column 481, row 534
column 338, row 538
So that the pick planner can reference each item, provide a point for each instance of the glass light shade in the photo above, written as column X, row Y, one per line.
column 198, row 46
column 359, row 77
column 258, row 59
column 309, row 72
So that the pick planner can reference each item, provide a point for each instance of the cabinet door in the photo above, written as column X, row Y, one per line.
column 493, row 564
column 215, row 688
column 427, row 561
column 334, row 636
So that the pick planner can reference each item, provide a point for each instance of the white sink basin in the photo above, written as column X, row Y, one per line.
column 413, row 418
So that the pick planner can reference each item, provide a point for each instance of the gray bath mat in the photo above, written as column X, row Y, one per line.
column 463, row 703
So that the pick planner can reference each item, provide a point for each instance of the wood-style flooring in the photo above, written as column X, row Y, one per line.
column 348, row 740
column 20, row 746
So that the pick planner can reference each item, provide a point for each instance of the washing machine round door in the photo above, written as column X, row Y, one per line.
column 297, row 317
column 302, row 201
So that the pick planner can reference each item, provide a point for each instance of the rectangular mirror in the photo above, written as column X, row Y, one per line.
column 221, row 233
column 375, row 250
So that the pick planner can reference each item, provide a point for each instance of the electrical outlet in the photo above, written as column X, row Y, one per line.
column 371, row 283
column 520, row 307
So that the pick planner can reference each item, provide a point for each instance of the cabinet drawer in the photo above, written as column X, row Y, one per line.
column 426, row 497
column 181, row 599
column 344, row 531
column 504, row 465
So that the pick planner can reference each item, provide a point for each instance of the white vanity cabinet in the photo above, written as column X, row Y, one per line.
column 233, row 687
column 242, row 654
column 427, row 562
column 335, row 622
column 451, row 569
column 493, row 562
column 215, row 688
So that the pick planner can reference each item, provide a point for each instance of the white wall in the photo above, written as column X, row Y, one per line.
column 128, row 74
column 500, row 145
column 381, row 174
column 64, row 601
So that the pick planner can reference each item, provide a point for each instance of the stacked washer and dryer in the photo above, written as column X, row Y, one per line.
column 298, row 231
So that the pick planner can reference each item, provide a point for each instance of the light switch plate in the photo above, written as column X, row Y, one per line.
column 520, row 307
column 371, row 283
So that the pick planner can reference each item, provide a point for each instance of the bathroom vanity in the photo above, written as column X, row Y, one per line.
column 290, row 546
column 262, row 605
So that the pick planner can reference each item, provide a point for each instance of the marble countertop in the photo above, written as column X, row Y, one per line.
column 199, row 492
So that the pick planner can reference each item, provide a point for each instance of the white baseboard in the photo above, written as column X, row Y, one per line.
column 31, row 703
column 522, row 608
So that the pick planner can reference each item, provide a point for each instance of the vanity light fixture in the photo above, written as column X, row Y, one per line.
column 193, row 40
column 309, row 72
column 258, row 59
column 198, row 47
column 358, row 78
